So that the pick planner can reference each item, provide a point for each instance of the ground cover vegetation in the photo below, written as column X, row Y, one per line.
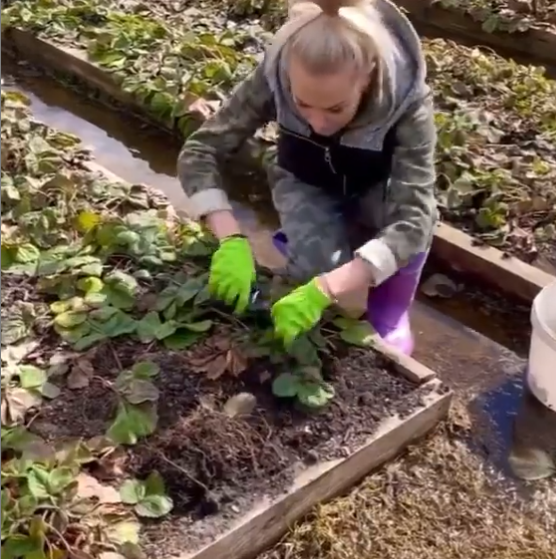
column 496, row 119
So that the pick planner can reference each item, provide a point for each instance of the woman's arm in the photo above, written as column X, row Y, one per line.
column 411, row 204
column 250, row 106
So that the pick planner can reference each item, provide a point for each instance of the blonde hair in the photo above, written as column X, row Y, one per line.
column 327, row 35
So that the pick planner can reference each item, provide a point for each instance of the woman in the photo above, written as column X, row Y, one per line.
column 345, row 80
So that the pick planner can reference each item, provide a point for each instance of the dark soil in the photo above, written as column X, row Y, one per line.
column 216, row 466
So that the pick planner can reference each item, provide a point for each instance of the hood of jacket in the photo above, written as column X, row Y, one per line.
column 403, row 81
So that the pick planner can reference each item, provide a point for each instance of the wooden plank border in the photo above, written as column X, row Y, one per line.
column 451, row 248
column 537, row 45
column 269, row 519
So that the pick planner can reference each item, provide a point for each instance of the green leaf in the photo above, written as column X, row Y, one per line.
column 181, row 339
column 122, row 281
column 118, row 324
column 59, row 307
column 154, row 506
column 132, row 423
column 120, row 288
column 202, row 326
column 50, row 391
column 189, row 290
column 103, row 313
column 70, row 319
column 315, row 395
column 148, row 327
column 17, row 546
column 38, row 482
column 127, row 238
column 151, row 328
column 118, row 298
column 145, row 370
column 132, row 491
column 166, row 329
column 26, row 253
column 73, row 335
column 93, row 269
column 166, row 298
column 358, row 333
column 286, row 385
column 59, row 479
column 87, row 220
column 94, row 299
column 90, row 284
column 154, row 484
column 89, row 341
column 7, row 257
column 31, row 377
column 304, row 351
column 138, row 391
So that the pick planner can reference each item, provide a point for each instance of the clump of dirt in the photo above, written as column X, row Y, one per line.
column 216, row 465
column 439, row 501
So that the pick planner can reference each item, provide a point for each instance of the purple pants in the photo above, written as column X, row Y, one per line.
column 388, row 304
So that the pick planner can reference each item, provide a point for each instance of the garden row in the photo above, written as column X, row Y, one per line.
column 140, row 418
column 522, row 28
column 496, row 119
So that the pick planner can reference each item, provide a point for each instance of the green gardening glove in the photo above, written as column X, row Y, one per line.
column 232, row 272
column 299, row 311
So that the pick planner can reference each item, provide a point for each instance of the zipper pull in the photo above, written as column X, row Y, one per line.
column 328, row 159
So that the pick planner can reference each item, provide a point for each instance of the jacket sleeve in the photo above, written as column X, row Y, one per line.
column 411, row 203
column 250, row 107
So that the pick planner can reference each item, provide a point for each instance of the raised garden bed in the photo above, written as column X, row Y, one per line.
column 496, row 121
column 513, row 27
column 139, row 419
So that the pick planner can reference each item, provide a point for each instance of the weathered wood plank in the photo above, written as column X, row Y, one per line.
column 267, row 522
column 537, row 45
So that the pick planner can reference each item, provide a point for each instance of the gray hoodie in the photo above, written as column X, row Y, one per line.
column 409, row 204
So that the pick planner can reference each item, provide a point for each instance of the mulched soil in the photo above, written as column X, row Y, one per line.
column 216, row 466
column 439, row 501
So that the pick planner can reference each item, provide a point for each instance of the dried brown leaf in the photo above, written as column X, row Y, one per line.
column 217, row 367
column 89, row 487
column 81, row 374
column 112, row 465
column 265, row 376
column 20, row 401
column 236, row 363
column 439, row 285
column 241, row 404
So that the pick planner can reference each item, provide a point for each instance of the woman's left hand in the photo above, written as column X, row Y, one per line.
column 299, row 311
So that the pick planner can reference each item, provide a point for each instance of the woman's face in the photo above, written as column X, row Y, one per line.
column 328, row 102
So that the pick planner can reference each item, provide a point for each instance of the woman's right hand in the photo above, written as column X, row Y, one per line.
column 232, row 272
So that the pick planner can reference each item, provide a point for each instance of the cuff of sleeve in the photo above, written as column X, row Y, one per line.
column 208, row 201
column 380, row 258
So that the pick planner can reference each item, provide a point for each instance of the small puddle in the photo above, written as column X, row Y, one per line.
column 447, row 343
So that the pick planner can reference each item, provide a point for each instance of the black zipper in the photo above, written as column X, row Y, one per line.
column 327, row 154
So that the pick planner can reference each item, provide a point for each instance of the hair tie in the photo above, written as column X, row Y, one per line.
column 329, row 7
